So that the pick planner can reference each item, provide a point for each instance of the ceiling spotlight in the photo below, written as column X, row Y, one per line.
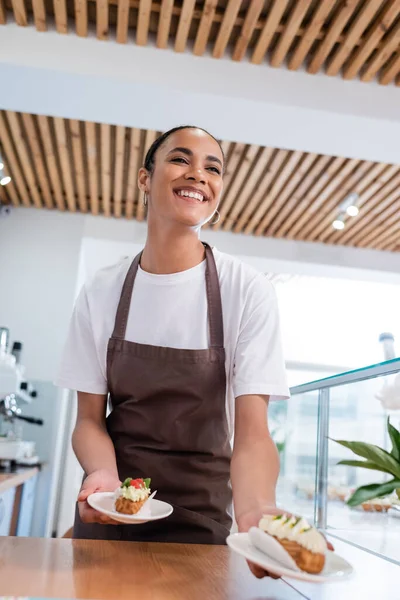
column 351, row 199
column 5, row 180
column 338, row 224
column 1, row 165
column 352, row 210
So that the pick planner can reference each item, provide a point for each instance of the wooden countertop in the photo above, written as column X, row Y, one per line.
column 62, row 568
column 19, row 476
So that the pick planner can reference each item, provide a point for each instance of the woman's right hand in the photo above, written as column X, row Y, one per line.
column 98, row 481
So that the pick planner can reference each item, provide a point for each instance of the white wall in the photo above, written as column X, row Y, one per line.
column 38, row 269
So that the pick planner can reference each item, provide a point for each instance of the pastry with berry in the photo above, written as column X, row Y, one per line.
column 132, row 495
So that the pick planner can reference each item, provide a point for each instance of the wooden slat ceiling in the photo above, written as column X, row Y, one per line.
column 76, row 166
column 351, row 38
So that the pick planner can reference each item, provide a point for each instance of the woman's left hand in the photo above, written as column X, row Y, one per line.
column 252, row 519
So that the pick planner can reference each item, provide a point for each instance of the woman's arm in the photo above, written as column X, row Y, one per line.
column 255, row 459
column 95, row 452
column 254, row 466
column 90, row 440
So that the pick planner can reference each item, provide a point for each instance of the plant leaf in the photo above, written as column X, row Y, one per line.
column 375, row 454
column 374, row 490
column 365, row 464
column 395, row 437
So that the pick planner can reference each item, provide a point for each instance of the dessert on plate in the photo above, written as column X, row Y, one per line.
column 305, row 544
column 131, row 496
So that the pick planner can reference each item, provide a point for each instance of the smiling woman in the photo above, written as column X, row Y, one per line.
column 189, row 171
column 186, row 342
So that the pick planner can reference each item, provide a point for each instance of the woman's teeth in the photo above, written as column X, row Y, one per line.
column 195, row 195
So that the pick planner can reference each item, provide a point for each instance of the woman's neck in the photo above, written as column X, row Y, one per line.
column 170, row 251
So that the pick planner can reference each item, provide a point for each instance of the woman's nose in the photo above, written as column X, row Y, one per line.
column 196, row 174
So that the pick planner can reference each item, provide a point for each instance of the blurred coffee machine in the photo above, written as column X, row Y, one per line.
column 15, row 392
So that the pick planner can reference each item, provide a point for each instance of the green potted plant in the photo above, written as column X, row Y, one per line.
column 376, row 459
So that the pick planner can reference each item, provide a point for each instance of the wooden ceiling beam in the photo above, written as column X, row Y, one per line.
column 185, row 20
column 392, row 241
column 232, row 167
column 290, row 31
column 359, row 25
column 206, row 21
column 123, row 21
column 355, row 183
column 65, row 162
column 132, row 191
column 371, row 41
column 105, row 136
column 81, row 18
column 164, row 23
column 248, row 29
column 268, row 31
column 20, row 14
column 102, row 19
column 331, row 37
column 92, row 157
column 300, row 200
column 244, row 206
column 392, row 43
column 226, row 27
column 391, row 70
column 244, row 172
column 52, row 168
column 350, row 179
column 264, row 197
column 381, row 218
column 77, row 152
column 142, row 33
column 277, row 192
column 384, row 224
column 119, row 170
column 380, row 203
column 39, row 15
column 12, row 162
column 310, row 34
column 38, row 159
column 373, row 191
column 287, row 200
column 25, row 161
column 3, row 12
column 321, row 198
column 60, row 14
column 304, row 203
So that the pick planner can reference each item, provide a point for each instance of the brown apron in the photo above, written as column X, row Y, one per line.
column 168, row 422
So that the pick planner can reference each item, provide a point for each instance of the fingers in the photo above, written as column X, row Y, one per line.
column 89, row 515
column 259, row 572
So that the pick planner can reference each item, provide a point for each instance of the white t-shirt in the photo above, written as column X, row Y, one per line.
column 171, row 311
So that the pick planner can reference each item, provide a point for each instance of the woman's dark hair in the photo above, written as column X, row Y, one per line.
column 151, row 153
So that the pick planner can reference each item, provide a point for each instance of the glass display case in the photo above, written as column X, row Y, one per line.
column 353, row 406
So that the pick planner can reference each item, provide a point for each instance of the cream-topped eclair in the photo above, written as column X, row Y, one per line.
column 305, row 544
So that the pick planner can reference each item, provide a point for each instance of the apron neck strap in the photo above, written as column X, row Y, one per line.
column 213, row 300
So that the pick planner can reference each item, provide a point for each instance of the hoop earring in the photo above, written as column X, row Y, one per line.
column 145, row 199
column 217, row 219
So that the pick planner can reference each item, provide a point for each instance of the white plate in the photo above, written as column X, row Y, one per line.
column 152, row 510
column 336, row 568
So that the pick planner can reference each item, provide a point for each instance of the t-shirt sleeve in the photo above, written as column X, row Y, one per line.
column 80, row 368
column 259, row 366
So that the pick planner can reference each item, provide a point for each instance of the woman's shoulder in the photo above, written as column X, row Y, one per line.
column 109, row 278
column 236, row 272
